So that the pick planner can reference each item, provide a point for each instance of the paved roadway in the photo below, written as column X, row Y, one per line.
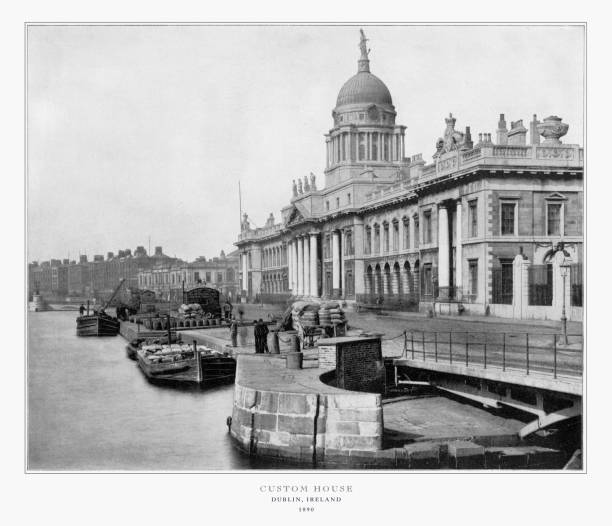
column 485, row 339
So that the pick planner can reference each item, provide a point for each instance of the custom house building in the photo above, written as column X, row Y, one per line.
column 493, row 225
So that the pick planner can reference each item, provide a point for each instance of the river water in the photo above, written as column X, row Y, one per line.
column 91, row 408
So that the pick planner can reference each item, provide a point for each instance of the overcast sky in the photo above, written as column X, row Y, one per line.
column 145, row 131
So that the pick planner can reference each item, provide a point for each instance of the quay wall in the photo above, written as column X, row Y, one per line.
column 320, row 425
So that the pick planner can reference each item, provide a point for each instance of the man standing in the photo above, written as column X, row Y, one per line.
column 264, row 336
column 82, row 309
column 257, row 334
column 234, row 332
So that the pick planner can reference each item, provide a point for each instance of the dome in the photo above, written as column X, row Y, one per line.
column 364, row 88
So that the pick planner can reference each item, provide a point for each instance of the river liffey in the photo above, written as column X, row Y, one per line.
column 91, row 408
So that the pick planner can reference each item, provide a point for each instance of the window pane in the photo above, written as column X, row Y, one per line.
column 507, row 218
column 554, row 219
column 473, row 219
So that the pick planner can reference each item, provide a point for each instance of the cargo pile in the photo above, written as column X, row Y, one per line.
column 330, row 314
column 305, row 314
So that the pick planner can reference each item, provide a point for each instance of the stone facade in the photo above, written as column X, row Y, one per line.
column 167, row 279
column 389, row 229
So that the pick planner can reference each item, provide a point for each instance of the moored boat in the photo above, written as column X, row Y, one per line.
column 100, row 324
column 180, row 362
column 132, row 347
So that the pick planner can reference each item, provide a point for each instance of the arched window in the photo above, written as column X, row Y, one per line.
column 385, row 237
column 395, row 235
column 376, row 239
column 368, row 240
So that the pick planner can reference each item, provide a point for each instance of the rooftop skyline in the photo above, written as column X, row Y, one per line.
column 145, row 131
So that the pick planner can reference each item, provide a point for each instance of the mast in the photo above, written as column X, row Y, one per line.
column 240, row 205
column 114, row 294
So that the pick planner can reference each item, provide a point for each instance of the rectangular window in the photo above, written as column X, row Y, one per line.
column 327, row 205
column 337, row 202
column 473, row 218
column 503, row 288
column 362, row 145
column 196, row 276
column 348, row 198
column 416, row 237
column 427, row 286
column 386, row 238
column 508, row 216
column 375, row 146
column 376, row 239
column 553, row 219
column 406, row 233
column 473, row 277
column 208, row 277
column 219, row 277
column 427, row 227
column 368, row 241
column 395, row 236
column 386, row 149
column 343, row 146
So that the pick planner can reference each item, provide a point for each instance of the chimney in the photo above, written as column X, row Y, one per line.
column 127, row 252
column 502, row 131
column 65, row 262
column 517, row 136
column 83, row 259
column 534, row 136
column 98, row 257
column 158, row 251
column 110, row 255
column 467, row 141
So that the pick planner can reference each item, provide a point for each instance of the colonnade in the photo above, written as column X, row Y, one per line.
column 304, row 265
column 444, row 250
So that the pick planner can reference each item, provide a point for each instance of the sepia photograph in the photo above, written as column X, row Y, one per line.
column 299, row 247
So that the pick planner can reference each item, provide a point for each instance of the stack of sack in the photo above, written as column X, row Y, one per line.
column 305, row 314
column 330, row 313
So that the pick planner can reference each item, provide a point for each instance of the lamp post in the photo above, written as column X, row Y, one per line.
column 564, row 267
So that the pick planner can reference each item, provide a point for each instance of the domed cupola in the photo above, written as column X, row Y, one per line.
column 362, row 92
column 364, row 132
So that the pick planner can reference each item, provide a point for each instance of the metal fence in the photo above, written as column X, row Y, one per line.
column 502, row 290
column 528, row 353
column 540, row 280
column 576, row 284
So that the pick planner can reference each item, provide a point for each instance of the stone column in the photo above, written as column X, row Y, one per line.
column 459, row 252
column 314, row 281
column 443, row 252
column 358, row 263
column 294, row 265
column 520, row 286
column 245, row 276
column 300, row 266
column 335, row 264
column 306, row 266
column 289, row 266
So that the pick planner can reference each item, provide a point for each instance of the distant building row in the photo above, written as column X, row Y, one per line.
column 158, row 272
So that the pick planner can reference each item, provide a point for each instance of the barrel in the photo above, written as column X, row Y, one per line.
column 294, row 360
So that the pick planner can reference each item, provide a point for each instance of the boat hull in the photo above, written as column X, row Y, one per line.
column 97, row 326
column 210, row 369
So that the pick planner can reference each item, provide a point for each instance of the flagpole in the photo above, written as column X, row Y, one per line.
column 240, row 204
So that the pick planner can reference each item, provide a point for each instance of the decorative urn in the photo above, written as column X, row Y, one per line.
column 552, row 129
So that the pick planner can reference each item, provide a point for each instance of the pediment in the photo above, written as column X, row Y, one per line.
column 295, row 217
column 556, row 196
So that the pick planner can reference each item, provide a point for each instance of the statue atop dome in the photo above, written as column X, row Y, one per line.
column 363, row 46
column 363, row 64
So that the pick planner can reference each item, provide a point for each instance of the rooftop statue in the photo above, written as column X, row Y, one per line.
column 295, row 192
column 313, row 182
column 306, row 184
column 363, row 46
column 246, row 225
column 300, row 186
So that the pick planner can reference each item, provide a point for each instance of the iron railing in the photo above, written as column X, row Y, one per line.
column 540, row 282
column 502, row 290
column 528, row 353
column 576, row 284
